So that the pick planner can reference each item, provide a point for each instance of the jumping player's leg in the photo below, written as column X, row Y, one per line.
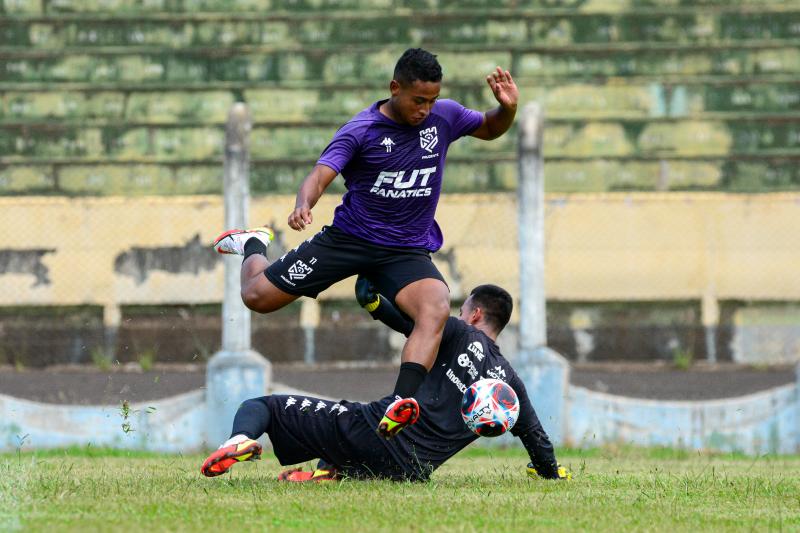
column 413, row 282
column 307, row 270
column 258, row 292
column 427, row 302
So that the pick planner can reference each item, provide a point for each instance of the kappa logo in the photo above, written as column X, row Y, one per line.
column 290, row 401
column 428, row 139
column 306, row 403
column 320, row 405
column 388, row 143
column 299, row 270
column 338, row 407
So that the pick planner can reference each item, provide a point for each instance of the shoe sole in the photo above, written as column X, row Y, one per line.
column 383, row 427
column 254, row 449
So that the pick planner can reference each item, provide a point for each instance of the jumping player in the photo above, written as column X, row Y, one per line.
column 341, row 434
column 392, row 157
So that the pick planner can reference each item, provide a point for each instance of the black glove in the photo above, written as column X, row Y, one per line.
column 561, row 473
column 366, row 295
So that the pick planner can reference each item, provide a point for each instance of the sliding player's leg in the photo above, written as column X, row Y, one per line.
column 301, row 429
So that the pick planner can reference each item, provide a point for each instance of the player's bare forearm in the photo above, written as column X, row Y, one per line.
column 314, row 185
column 309, row 194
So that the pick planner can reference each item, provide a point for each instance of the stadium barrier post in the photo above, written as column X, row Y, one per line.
column 545, row 372
column 709, row 311
column 112, row 318
column 309, row 322
column 235, row 373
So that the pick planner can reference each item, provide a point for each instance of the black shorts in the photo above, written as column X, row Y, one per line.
column 302, row 428
column 333, row 255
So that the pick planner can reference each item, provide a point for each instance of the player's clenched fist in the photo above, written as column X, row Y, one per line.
column 300, row 218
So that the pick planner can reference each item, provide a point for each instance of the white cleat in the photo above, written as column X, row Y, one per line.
column 232, row 241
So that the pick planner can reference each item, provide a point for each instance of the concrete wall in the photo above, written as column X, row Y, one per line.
column 173, row 424
column 632, row 247
column 766, row 422
column 760, row 423
column 129, row 96
column 676, row 263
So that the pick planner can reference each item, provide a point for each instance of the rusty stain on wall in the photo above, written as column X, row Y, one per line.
column 190, row 258
column 26, row 262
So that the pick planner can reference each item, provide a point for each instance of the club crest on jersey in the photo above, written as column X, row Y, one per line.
column 428, row 139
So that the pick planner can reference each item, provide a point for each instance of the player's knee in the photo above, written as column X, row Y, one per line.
column 251, row 403
column 435, row 312
column 255, row 301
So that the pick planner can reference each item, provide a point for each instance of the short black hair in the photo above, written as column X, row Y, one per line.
column 496, row 304
column 417, row 64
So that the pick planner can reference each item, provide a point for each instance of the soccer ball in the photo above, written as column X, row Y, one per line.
column 490, row 407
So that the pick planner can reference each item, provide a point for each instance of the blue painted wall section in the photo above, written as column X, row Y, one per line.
column 546, row 377
column 766, row 422
column 232, row 378
column 173, row 424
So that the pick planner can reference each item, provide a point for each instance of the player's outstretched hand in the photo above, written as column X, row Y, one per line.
column 505, row 90
column 300, row 218
column 561, row 473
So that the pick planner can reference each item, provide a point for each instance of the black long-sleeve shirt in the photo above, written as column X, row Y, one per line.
column 465, row 355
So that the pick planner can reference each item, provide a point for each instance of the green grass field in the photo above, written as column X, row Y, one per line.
column 612, row 490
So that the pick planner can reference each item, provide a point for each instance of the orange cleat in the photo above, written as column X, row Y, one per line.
column 401, row 413
column 318, row 475
column 225, row 457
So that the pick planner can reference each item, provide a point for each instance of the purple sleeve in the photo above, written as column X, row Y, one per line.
column 342, row 148
column 462, row 119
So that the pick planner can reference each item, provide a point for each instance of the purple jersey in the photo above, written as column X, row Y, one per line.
column 393, row 173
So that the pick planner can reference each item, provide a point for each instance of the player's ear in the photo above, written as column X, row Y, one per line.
column 476, row 315
column 394, row 87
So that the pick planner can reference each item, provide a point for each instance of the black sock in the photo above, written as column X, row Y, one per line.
column 254, row 246
column 252, row 419
column 409, row 379
column 390, row 315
